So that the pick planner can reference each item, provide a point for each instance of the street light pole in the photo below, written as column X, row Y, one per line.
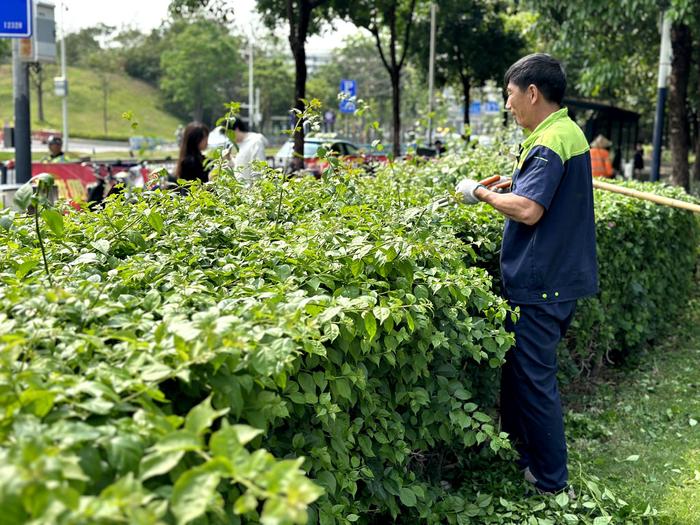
column 65, row 78
column 23, row 140
column 251, row 91
column 664, row 70
column 431, row 72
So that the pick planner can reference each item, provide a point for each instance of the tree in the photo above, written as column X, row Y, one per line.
column 199, row 65
column 84, row 43
column 473, row 44
column 36, row 70
column 141, row 53
column 276, row 77
column 616, row 48
column 678, row 125
column 303, row 18
column 5, row 50
column 104, row 63
column 359, row 60
column 391, row 23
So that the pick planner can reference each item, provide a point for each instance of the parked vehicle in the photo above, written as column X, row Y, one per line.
column 344, row 149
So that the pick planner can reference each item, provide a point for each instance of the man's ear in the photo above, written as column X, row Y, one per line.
column 533, row 93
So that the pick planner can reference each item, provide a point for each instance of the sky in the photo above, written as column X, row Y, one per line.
column 148, row 14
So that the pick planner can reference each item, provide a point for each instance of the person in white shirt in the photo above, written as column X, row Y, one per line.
column 251, row 147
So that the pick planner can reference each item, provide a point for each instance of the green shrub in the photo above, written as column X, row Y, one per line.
column 193, row 347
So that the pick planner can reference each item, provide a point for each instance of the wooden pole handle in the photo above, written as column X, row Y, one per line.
column 658, row 199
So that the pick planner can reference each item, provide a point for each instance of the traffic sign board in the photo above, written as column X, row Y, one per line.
column 16, row 19
column 349, row 90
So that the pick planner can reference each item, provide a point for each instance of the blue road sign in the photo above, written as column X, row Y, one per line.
column 349, row 88
column 492, row 106
column 16, row 19
column 474, row 107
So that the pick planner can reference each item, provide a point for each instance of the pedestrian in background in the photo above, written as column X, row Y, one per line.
column 600, row 158
column 548, row 261
column 190, row 164
column 329, row 121
column 251, row 148
column 56, row 154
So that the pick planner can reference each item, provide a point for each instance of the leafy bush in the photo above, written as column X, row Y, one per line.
column 193, row 347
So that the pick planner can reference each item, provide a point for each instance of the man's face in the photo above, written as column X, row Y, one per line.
column 55, row 148
column 518, row 104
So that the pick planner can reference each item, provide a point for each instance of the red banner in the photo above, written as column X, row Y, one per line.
column 71, row 180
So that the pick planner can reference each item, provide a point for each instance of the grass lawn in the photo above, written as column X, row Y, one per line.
column 639, row 433
column 85, row 105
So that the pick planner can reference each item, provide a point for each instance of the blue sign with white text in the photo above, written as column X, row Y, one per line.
column 492, row 106
column 349, row 90
column 16, row 19
column 475, row 108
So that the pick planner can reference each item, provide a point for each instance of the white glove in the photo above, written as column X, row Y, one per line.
column 466, row 189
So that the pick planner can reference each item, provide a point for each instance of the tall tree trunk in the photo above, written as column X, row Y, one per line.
column 678, row 108
column 394, row 64
column 696, row 164
column 37, row 77
column 466, row 87
column 104, row 102
column 198, row 110
column 39, row 81
column 298, row 30
column 396, row 110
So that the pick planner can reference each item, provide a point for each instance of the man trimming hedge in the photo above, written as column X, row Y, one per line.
column 548, row 260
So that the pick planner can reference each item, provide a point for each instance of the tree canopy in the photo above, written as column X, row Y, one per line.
column 199, row 66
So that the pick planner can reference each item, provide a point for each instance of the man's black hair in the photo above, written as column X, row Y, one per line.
column 240, row 125
column 540, row 69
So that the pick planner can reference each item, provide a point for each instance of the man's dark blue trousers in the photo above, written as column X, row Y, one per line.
column 531, row 410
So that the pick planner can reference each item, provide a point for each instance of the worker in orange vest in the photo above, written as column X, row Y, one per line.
column 600, row 157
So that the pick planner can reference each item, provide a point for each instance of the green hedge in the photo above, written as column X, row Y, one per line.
column 193, row 347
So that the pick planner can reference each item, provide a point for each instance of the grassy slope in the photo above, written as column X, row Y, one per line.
column 85, row 105
column 640, row 432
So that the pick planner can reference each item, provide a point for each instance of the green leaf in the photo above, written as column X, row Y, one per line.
column 6, row 222
column 102, row 246
column 327, row 480
column 124, row 453
column 23, row 196
column 228, row 441
column 245, row 434
column 245, row 503
column 26, row 267
column 343, row 387
column 155, row 219
column 370, row 324
column 407, row 497
column 54, row 221
column 202, row 416
column 180, row 440
column 307, row 383
column 562, row 499
column 192, row 493
column 159, row 463
column 382, row 313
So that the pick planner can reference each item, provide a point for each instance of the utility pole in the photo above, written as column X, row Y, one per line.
column 431, row 72
column 664, row 70
column 251, row 90
column 65, row 78
column 23, row 141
